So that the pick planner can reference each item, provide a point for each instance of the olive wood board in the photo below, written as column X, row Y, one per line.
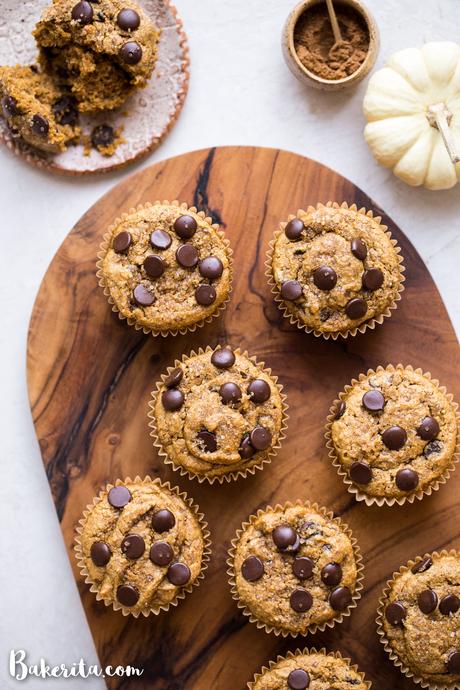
column 90, row 377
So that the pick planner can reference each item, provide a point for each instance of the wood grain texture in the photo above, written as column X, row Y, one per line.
column 90, row 378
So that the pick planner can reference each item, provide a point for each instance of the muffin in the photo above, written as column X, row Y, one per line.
column 141, row 545
column 99, row 51
column 335, row 270
column 166, row 268
column 217, row 415
column 393, row 435
column 312, row 669
column 295, row 569
column 419, row 619
column 37, row 110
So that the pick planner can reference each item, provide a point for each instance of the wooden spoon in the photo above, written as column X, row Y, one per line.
column 334, row 22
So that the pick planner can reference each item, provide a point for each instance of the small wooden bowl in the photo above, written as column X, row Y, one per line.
column 312, row 79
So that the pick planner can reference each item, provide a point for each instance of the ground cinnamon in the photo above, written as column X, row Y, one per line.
column 315, row 45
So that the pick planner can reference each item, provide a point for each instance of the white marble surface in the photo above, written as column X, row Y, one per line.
column 240, row 93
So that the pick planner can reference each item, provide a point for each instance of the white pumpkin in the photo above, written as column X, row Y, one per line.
column 412, row 107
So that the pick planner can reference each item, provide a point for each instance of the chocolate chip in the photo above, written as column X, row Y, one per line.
column 372, row 279
column 40, row 126
column 178, row 574
column 291, row 290
column 230, row 393
column 449, row 604
column 427, row 601
column 160, row 239
column 205, row 295
column 10, row 107
column 325, row 314
column 325, row 278
column 127, row 595
column 122, row 242
column 65, row 110
column 340, row 598
column 102, row 136
column 358, row 248
column 154, row 266
column 172, row 399
column 100, row 553
column 260, row 437
column 131, row 53
column 294, row 229
column 395, row 613
column 259, row 390
column 301, row 600
column 453, row 662
column 207, row 441
column 432, row 448
column 298, row 679
column 163, row 520
column 82, row 12
column 246, row 450
column 211, row 267
column 128, row 20
column 142, row 296
column 161, row 553
column 428, row 429
column 185, row 227
column 394, row 437
column 356, row 308
column 119, row 496
column 373, row 401
column 174, row 378
column 303, row 567
column 284, row 537
column 422, row 565
column 133, row 546
column 252, row 569
column 223, row 358
column 331, row 574
column 340, row 410
column 406, row 479
column 187, row 255
column 361, row 472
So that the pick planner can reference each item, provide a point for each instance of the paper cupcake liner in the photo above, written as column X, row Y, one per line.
column 384, row 500
column 381, row 632
column 306, row 651
column 371, row 323
column 314, row 627
column 266, row 456
column 132, row 322
column 184, row 590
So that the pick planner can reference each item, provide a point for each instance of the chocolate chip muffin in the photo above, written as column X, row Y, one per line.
column 142, row 545
column 100, row 51
column 37, row 110
column 166, row 268
column 294, row 569
column 419, row 619
column 312, row 669
column 393, row 434
column 218, row 414
column 335, row 270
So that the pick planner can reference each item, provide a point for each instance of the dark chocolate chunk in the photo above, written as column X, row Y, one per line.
column 259, row 390
column 131, row 53
column 133, row 546
column 102, row 136
column 185, row 227
column 395, row 613
column 394, row 437
column 163, row 520
column 358, row 248
column 230, row 393
column 160, row 239
column 252, row 569
column 340, row 598
column 100, row 553
column 361, row 472
column 65, row 110
column 301, row 600
column 422, row 565
column 406, row 479
column 174, row 378
column 82, row 12
column 298, row 679
column 207, row 440
column 119, row 496
column 291, row 290
column 205, row 295
column 154, row 266
column 172, row 399
column 260, row 437
column 427, row 601
column 40, row 126
column 142, row 296
column 331, row 574
column 294, row 229
column 122, row 242
column 325, row 278
column 127, row 595
column 449, row 604
column 178, row 574
column 428, row 429
column 372, row 279
column 211, row 267
column 161, row 553
column 128, row 19
column 187, row 255
column 284, row 537
column 223, row 358
column 303, row 567
column 356, row 308
column 373, row 401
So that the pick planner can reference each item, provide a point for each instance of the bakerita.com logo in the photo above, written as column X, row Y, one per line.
column 20, row 668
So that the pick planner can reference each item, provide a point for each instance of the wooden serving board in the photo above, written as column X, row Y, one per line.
column 90, row 378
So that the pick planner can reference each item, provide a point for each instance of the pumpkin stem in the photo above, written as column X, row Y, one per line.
column 439, row 116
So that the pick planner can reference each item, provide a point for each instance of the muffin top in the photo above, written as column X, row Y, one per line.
column 295, row 567
column 395, row 432
column 166, row 267
column 313, row 670
column 141, row 545
column 218, row 412
column 335, row 268
column 421, row 617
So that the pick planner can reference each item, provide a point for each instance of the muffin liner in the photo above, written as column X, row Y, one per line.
column 126, row 611
column 230, row 476
column 384, row 500
column 132, row 322
column 371, row 323
column 381, row 632
column 314, row 627
column 306, row 651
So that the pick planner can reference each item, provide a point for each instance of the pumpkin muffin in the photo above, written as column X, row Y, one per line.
column 419, row 619
column 217, row 414
column 335, row 270
column 166, row 268
column 141, row 545
column 312, row 669
column 393, row 434
column 294, row 569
